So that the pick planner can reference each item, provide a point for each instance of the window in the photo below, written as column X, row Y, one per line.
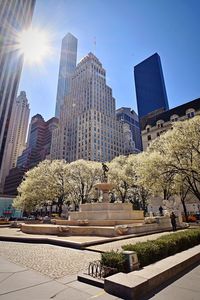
column 190, row 113
column 148, row 127
column 174, row 118
column 149, row 137
column 160, row 123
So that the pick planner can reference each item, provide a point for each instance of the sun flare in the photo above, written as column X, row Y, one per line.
column 34, row 44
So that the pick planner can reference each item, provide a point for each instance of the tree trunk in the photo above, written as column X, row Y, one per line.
column 59, row 209
column 185, row 210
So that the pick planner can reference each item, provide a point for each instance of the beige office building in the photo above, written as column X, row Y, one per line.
column 16, row 139
column 88, row 126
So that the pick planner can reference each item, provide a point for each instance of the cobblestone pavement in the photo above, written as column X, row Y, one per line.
column 53, row 261
column 117, row 244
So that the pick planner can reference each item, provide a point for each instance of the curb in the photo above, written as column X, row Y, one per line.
column 137, row 284
column 80, row 246
column 91, row 280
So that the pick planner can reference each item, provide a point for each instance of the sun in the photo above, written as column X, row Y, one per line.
column 34, row 44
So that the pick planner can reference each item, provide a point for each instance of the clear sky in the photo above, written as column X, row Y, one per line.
column 126, row 32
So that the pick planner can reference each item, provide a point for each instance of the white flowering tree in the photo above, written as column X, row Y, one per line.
column 180, row 148
column 155, row 176
column 47, row 183
column 119, row 177
column 140, row 192
column 83, row 175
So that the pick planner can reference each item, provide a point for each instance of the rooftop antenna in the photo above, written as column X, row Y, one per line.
column 95, row 44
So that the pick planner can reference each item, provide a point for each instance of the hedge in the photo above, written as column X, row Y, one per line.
column 114, row 259
column 151, row 251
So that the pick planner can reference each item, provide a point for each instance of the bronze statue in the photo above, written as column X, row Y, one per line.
column 105, row 170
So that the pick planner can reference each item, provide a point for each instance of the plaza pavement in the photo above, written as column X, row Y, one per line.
column 39, row 271
column 186, row 287
column 21, row 283
column 94, row 243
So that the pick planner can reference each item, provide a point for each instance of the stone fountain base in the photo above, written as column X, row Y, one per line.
column 114, row 213
column 97, row 219
column 102, row 219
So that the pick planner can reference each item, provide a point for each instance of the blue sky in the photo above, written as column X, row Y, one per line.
column 126, row 32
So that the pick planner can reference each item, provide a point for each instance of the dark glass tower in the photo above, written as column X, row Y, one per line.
column 150, row 86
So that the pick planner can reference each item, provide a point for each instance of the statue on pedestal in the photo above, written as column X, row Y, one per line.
column 105, row 171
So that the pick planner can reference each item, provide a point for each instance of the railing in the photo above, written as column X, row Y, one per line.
column 97, row 270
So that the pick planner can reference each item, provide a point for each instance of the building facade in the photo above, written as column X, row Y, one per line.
column 68, row 59
column 16, row 140
column 38, row 149
column 150, row 86
column 131, row 129
column 15, row 16
column 88, row 126
column 155, row 125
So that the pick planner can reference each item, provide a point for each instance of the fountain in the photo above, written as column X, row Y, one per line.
column 104, row 186
column 100, row 219
column 105, row 213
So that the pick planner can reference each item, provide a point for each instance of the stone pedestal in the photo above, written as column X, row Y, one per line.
column 105, row 187
column 105, row 212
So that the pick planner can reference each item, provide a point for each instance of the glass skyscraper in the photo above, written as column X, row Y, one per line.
column 150, row 86
column 68, row 59
column 15, row 16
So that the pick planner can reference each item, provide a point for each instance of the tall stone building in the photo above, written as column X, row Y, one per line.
column 68, row 59
column 157, row 124
column 88, row 126
column 38, row 149
column 15, row 16
column 16, row 140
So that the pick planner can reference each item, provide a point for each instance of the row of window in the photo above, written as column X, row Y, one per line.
column 190, row 113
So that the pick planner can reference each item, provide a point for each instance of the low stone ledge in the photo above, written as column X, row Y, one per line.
column 136, row 284
column 91, row 280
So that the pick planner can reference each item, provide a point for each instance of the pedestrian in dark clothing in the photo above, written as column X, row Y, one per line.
column 173, row 221
column 161, row 210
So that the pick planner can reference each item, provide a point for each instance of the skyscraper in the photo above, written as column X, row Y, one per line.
column 131, row 128
column 16, row 139
column 150, row 86
column 15, row 16
column 38, row 149
column 68, row 59
column 88, row 126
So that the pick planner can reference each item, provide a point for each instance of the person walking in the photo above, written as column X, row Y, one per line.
column 173, row 221
column 161, row 211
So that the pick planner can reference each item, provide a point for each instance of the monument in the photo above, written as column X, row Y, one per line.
column 104, row 186
column 101, row 218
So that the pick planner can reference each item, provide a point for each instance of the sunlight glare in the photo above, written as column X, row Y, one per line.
column 34, row 44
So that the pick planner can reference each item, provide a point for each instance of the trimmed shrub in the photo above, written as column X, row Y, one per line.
column 151, row 251
column 114, row 259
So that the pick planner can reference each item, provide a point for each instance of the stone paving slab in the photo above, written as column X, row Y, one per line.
column 21, row 280
column 9, row 266
column 39, row 292
column 28, row 284
column 184, row 288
